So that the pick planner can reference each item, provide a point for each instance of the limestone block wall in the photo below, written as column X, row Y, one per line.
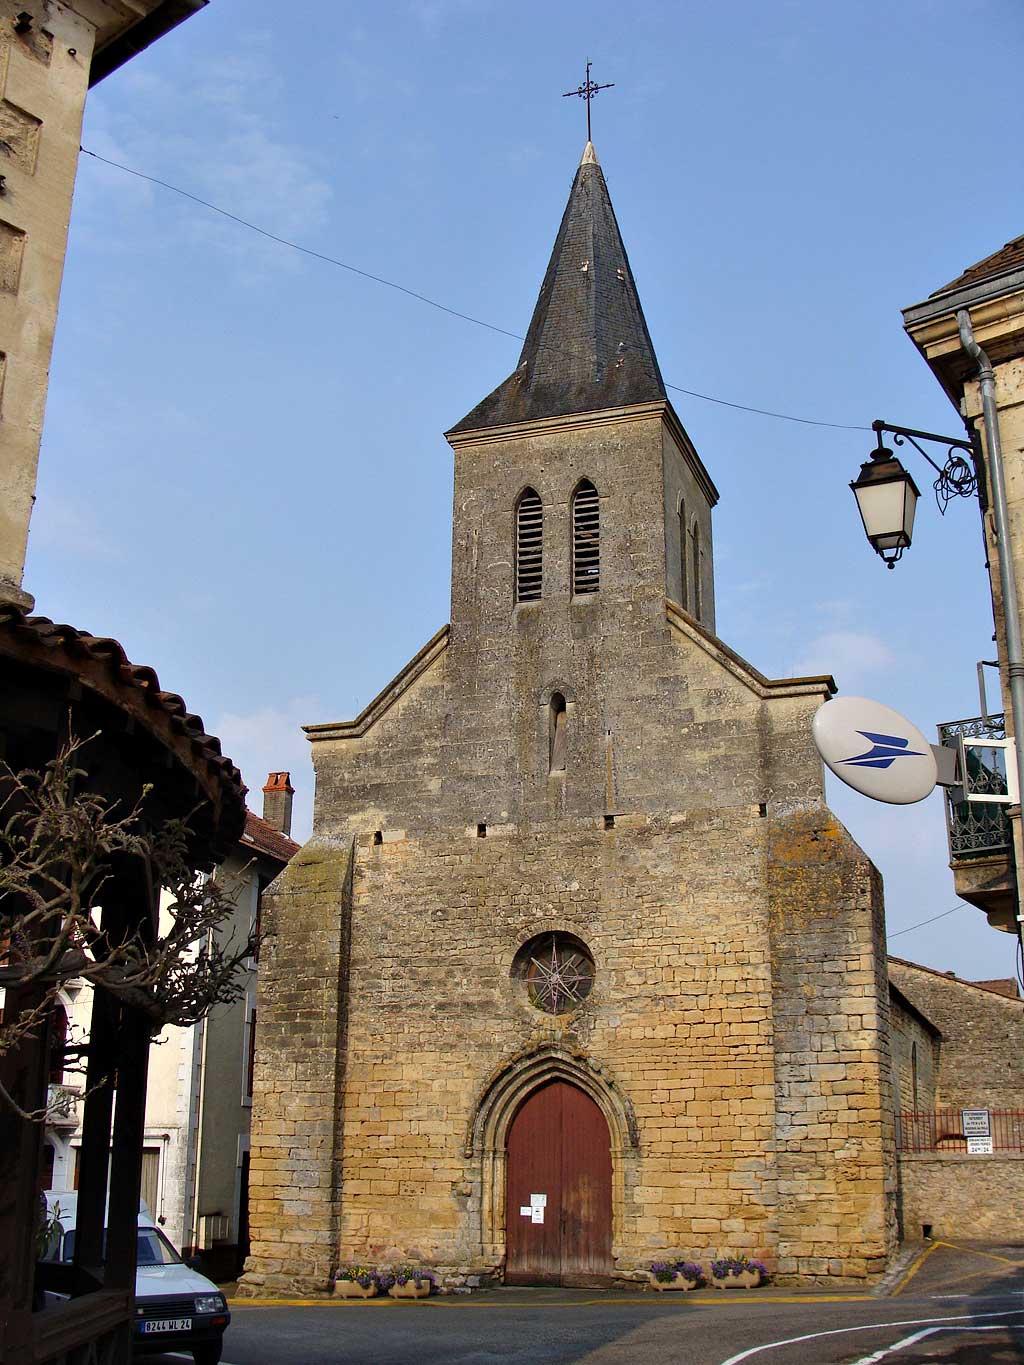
column 961, row 1195
column 982, row 1049
column 1009, row 379
column 44, row 72
column 679, row 1022
column 683, row 1036
column 916, row 1052
column 296, row 1112
column 833, row 1108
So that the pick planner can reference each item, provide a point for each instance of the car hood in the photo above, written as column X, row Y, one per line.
column 151, row 1280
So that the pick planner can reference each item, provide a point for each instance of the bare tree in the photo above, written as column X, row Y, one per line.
column 61, row 846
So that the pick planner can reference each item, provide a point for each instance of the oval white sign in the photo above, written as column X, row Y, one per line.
column 874, row 750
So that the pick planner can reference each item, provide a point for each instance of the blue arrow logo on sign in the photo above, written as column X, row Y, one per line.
column 887, row 749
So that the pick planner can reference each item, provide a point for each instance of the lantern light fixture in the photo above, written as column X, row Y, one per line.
column 887, row 495
column 887, row 500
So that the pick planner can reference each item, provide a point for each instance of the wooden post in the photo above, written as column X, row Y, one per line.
column 23, row 1071
column 126, row 1150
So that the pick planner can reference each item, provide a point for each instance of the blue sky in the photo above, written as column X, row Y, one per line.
column 243, row 474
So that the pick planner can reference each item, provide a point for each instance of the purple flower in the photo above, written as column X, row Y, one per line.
column 737, row 1265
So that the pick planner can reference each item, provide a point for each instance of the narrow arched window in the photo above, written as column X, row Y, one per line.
column 695, row 564
column 913, row 1074
column 586, row 539
column 556, row 734
column 682, row 553
column 529, row 546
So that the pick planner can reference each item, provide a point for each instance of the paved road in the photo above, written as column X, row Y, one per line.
column 964, row 1306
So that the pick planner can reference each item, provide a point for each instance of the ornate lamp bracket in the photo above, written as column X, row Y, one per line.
column 956, row 478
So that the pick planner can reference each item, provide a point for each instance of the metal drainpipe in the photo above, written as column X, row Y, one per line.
column 1007, row 575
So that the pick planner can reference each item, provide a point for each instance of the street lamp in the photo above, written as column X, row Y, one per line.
column 887, row 500
column 887, row 495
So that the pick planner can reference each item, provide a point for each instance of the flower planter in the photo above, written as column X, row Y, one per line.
column 676, row 1282
column 746, row 1279
column 410, row 1290
column 351, row 1289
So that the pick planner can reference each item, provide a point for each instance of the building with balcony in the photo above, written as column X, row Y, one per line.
column 985, row 841
column 979, row 831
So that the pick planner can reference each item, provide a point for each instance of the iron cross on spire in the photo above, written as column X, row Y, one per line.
column 587, row 91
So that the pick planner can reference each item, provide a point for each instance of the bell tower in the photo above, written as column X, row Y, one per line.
column 580, row 506
column 588, row 365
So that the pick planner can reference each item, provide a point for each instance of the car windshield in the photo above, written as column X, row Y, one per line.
column 152, row 1248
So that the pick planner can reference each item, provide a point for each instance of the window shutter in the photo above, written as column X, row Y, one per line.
column 529, row 546
column 586, row 546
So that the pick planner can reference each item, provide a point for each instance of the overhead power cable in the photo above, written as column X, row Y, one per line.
column 433, row 303
column 911, row 927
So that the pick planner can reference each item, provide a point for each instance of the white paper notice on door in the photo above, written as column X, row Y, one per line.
column 525, row 1210
column 537, row 1206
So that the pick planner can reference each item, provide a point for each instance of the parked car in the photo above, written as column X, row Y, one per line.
column 176, row 1308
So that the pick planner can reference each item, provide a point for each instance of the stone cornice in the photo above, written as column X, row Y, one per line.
column 385, row 699
column 821, row 685
column 606, row 417
column 997, row 318
column 967, row 296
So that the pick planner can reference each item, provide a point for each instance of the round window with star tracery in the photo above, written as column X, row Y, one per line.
column 558, row 972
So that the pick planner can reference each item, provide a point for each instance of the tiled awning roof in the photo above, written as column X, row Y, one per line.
column 101, row 665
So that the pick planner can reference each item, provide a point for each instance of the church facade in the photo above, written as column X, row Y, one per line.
column 577, row 971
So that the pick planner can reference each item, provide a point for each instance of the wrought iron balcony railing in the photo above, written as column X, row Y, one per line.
column 977, row 830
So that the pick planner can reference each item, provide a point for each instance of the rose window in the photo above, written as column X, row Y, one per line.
column 558, row 971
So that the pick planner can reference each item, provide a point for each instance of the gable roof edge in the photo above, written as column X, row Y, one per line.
column 767, row 689
column 386, row 698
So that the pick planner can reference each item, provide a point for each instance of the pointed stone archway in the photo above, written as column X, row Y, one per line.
column 502, row 1097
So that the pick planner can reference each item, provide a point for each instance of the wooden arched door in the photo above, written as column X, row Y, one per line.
column 558, row 1193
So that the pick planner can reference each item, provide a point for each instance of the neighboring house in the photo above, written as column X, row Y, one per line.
column 195, row 1168
column 957, row 1045
column 986, row 868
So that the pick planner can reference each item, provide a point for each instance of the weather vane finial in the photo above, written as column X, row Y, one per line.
column 587, row 91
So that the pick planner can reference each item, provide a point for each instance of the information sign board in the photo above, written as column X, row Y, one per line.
column 976, row 1122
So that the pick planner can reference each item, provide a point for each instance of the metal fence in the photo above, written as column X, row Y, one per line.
column 942, row 1130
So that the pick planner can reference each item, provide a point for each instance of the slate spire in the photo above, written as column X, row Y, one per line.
column 587, row 347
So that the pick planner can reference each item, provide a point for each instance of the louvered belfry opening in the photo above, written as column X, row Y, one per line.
column 529, row 546
column 586, row 539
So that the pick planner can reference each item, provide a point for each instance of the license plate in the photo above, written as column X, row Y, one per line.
column 167, row 1325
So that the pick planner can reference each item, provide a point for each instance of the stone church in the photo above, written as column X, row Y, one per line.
column 577, row 970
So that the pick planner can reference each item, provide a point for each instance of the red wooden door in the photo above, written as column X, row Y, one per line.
column 558, row 1195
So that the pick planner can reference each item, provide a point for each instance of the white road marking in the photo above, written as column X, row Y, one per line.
column 868, row 1327
column 876, row 1356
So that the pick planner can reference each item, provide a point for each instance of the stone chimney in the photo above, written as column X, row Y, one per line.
column 277, row 801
